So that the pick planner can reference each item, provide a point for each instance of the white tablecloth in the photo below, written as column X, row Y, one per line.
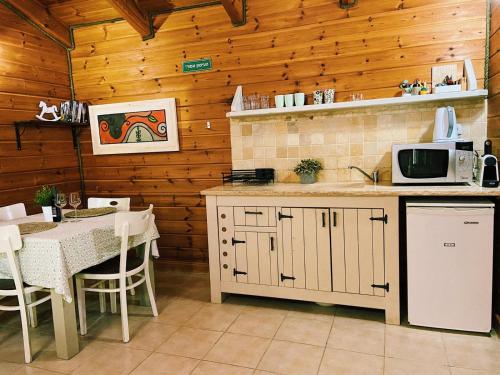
column 49, row 259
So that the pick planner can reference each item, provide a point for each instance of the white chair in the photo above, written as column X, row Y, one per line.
column 12, row 212
column 121, row 204
column 10, row 242
column 126, row 265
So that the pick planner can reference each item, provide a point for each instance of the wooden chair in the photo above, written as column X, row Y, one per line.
column 126, row 265
column 14, row 211
column 10, row 242
column 121, row 204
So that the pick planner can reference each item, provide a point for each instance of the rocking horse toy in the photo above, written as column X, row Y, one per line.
column 52, row 110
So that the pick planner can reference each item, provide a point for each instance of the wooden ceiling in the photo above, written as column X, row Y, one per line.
column 55, row 16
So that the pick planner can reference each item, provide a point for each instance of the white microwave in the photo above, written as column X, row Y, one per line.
column 432, row 163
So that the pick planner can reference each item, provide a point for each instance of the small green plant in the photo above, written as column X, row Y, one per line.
column 308, row 166
column 45, row 196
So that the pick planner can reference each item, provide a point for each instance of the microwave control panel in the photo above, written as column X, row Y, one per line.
column 464, row 166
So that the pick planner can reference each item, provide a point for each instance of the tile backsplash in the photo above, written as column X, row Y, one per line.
column 362, row 137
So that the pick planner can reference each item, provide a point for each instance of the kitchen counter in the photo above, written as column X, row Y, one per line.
column 348, row 189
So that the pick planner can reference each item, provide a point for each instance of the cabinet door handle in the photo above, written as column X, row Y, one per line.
column 253, row 213
column 384, row 218
column 272, row 242
column 236, row 272
column 384, row 286
column 284, row 277
column 323, row 219
column 234, row 242
column 281, row 216
column 334, row 218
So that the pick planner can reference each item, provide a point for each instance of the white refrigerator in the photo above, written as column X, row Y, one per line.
column 450, row 263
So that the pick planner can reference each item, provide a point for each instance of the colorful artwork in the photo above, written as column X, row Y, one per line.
column 133, row 127
column 145, row 126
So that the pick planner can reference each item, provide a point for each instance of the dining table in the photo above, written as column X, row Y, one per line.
column 52, row 257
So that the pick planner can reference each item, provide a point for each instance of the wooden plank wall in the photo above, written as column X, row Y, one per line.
column 494, row 133
column 285, row 46
column 32, row 68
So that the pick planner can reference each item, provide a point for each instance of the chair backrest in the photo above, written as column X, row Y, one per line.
column 10, row 241
column 134, row 223
column 13, row 211
column 121, row 204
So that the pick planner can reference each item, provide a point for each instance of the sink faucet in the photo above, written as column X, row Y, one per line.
column 373, row 177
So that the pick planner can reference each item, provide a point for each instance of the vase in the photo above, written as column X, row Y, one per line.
column 47, row 213
column 308, row 178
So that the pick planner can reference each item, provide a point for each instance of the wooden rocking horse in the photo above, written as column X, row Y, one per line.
column 52, row 110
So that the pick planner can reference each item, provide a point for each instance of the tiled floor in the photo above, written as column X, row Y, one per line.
column 247, row 335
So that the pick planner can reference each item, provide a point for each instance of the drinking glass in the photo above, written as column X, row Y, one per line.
column 75, row 201
column 61, row 202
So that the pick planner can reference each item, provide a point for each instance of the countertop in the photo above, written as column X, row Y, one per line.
column 348, row 189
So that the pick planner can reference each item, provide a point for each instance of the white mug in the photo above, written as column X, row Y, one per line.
column 329, row 95
column 289, row 100
column 279, row 100
column 300, row 98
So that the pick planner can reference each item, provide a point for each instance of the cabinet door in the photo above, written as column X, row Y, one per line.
column 304, row 258
column 358, row 251
column 256, row 258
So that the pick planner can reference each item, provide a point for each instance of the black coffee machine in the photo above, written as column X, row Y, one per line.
column 488, row 167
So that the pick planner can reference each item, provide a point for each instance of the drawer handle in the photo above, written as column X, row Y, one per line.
column 236, row 272
column 385, row 286
column 284, row 277
column 272, row 242
column 253, row 213
column 334, row 218
column 281, row 216
column 384, row 218
column 234, row 242
column 323, row 219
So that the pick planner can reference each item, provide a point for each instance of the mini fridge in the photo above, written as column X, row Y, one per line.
column 450, row 263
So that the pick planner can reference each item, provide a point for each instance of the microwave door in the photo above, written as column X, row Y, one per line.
column 424, row 165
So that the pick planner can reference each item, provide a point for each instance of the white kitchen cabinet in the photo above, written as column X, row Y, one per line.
column 339, row 250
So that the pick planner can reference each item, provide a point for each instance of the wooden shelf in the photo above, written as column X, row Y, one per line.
column 463, row 95
column 75, row 127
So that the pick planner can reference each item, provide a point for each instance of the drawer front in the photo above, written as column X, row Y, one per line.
column 255, row 216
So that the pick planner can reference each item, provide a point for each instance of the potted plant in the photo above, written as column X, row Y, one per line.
column 45, row 199
column 308, row 170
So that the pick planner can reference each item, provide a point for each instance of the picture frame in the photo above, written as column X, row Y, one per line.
column 134, row 127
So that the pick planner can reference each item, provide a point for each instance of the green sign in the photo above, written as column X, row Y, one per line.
column 196, row 65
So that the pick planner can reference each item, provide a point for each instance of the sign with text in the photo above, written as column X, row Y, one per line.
column 196, row 65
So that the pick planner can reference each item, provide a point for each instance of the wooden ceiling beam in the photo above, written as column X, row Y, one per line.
column 40, row 16
column 236, row 11
column 131, row 12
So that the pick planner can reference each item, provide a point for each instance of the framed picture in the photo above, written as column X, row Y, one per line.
column 134, row 127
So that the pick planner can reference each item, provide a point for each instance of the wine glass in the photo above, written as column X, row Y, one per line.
column 61, row 202
column 75, row 201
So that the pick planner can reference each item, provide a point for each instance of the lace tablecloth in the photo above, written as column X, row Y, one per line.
column 49, row 259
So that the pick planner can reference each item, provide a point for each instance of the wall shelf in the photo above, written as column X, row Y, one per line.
column 76, row 127
column 477, row 94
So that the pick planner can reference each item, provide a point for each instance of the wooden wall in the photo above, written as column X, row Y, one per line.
column 494, row 134
column 32, row 68
column 286, row 46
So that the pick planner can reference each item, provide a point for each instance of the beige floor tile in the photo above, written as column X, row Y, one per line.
column 12, row 347
column 178, row 311
column 217, row 317
column 395, row 366
column 415, row 344
column 211, row 368
column 190, row 342
column 164, row 364
column 304, row 331
column 109, row 328
column 257, row 322
column 111, row 360
column 238, row 350
column 341, row 362
column 9, row 368
column 27, row 370
column 465, row 371
column 474, row 352
column 357, row 335
column 151, row 335
column 260, row 372
column 309, row 310
column 290, row 358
